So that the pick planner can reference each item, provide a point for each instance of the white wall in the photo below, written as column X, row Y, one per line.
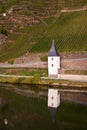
column 53, row 98
column 53, row 65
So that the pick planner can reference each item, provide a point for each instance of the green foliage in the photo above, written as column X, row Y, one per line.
column 3, row 31
column 24, row 71
column 0, row 28
column 11, row 61
column 75, row 3
column 43, row 58
column 8, row 4
column 35, row 79
column 69, row 32
column 25, row 41
column 80, row 72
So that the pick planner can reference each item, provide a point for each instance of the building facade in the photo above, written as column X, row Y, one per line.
column 53, row 61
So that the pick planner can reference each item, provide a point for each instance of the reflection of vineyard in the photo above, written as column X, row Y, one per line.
column 69, row 32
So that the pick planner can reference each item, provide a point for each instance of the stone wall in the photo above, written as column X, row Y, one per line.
column 75, row 64
column 74, row 96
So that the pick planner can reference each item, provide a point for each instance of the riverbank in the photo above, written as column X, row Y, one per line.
column 37, row 80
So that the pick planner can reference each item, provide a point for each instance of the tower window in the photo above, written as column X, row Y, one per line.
column 52, row 58
column 52, row 104
column 52, row 65
column 52, row 98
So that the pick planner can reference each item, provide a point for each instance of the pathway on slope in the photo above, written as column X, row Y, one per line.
column 74, row 10
column 25, row 65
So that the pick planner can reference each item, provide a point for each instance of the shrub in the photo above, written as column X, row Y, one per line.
column 3, row 31
column 43, row 58
column 35, row 79
column 11, row 61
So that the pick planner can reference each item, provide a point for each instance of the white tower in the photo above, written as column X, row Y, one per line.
column 53, row 101
column 53, row 98
column 53, row 61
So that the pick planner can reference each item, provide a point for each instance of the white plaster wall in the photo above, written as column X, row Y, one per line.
column 58, row 62
column 53, row 65
column 53, row 98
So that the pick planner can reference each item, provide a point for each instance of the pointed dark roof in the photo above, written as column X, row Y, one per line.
column 53, row 50
column 52, row 111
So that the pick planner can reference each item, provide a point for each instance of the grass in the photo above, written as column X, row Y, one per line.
column 22, row 41
column 43, row 58
column 7, row 5
column 35, row 79
column 80, row 72
column 23, row 71
column 30, row 113
column 75, row 3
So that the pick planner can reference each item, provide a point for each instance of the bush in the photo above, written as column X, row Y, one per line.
column 35, row 79
column 43, row 58
column 11, row 61
column 3, row 31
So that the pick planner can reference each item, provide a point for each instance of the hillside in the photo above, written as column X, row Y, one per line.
column 69, row 32
column 30, row 26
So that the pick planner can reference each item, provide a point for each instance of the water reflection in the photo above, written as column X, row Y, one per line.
column 31, row 113
column 52, row 113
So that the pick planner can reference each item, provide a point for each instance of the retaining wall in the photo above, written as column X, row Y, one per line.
column 74, row 96
column 76, row 64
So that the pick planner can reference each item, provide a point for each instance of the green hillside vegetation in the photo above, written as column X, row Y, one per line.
column 69, row 30
column 22, row 41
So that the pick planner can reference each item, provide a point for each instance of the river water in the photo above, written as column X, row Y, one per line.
column 24, row 107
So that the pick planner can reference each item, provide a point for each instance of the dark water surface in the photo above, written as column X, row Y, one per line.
column 24, row 112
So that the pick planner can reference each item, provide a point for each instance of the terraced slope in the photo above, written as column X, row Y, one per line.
column 31, row 26
column 30, row 6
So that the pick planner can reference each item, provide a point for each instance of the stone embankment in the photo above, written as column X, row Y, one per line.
column 67, row 64
column 74, row 64
column 24, row 65
column 75, row 96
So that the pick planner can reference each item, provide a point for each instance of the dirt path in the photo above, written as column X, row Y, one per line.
column 74, row 10
column 32, row 60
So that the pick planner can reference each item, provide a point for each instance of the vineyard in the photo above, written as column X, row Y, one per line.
column 69, row 32
column 31, row 26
